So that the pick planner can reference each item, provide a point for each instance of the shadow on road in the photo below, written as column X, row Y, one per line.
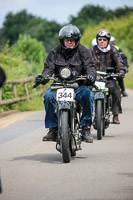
column 46, row 158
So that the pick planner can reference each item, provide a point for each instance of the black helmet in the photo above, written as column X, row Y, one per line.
column 69, row 31
column 103, row 33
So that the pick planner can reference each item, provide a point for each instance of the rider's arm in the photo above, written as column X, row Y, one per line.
column 88, row 62
column 49, row 65
column 117, row 60
column 124, row 57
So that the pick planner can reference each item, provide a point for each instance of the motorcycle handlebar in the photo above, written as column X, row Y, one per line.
column 108, row 75
column 79, row 78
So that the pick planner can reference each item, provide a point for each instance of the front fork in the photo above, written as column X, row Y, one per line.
column 99, row 96
column 74, row 124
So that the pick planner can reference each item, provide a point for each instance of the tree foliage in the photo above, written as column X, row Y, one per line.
column 15, row 24
column 24, row 23
column 23, row 59
column 88, row 15
column 45, row 31
column 19, row 61
column 30, row 48
column 93, row 15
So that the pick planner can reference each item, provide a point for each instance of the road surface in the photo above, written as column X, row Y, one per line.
column 33, row 170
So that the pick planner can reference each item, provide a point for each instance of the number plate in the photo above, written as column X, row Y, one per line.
column 100, row 85
column 65, row 94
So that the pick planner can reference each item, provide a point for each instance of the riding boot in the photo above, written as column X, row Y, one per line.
column 116, row 119
column 86, row 134
column 124, row 93
column 51, row 135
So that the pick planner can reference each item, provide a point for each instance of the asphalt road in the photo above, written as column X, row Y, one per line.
column 33, row 170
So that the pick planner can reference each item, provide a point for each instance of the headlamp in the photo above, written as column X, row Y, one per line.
column 65, row 73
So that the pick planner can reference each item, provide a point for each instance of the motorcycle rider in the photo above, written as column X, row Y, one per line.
column 69, row 53
column 106, row 56
column 2, row 77
column 124, row 58
column 2, row 80
column 93, row 42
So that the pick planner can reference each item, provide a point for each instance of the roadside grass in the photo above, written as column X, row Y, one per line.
column 129, row 77
column 36, row 103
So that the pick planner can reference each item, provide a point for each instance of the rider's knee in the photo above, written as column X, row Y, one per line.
column 88, row 94
column 48, row 95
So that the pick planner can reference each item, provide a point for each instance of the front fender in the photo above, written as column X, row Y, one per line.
column 99, row 95
column 64, row 105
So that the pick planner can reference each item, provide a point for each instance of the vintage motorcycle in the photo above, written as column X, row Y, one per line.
column 102, row 102
column 68, row 112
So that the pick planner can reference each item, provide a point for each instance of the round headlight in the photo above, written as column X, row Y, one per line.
column 65, row 72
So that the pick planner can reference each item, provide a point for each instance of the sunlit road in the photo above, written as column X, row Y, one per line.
column 33, row 170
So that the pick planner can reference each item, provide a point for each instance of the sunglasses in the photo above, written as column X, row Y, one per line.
column 102, row 40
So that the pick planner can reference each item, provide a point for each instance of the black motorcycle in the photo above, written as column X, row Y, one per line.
column 68, row 112
column 102, row 103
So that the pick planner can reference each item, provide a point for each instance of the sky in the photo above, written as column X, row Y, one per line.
column 58, row 10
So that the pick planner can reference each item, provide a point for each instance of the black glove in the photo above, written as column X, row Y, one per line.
column 40, row 79
column 121, row 74
column 90, row 79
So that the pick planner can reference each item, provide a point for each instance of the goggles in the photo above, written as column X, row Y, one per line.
column 104, row 34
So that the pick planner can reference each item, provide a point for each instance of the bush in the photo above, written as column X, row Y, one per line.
column 30, row 48
column 22, row 60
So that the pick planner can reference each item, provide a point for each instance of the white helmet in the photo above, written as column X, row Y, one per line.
column 93, row 42
column 112, row 39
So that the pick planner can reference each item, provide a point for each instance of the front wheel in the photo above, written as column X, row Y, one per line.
column 65, row 137
column 100, row 120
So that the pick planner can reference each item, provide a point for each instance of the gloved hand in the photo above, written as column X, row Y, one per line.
column 121, row 74
column 90, row 79
column 40, row 79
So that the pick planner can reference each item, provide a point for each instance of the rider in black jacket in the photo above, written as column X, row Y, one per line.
column 69, row 53
column 106, row 56
column 2, row 77
column 124, row 58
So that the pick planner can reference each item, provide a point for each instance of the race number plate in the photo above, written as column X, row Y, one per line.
column 100, row 85
column 65, row 94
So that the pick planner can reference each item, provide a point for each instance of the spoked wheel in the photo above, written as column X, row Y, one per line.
column 65, row 137
column 100, row 120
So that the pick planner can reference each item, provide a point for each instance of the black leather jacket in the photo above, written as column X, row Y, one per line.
column 80, row 60
column 109, row 59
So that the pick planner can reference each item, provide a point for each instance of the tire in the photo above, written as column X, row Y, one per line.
column 65, row 138
column 103, row 133
column 73, row 153
column 73, row 150
column 100, row 120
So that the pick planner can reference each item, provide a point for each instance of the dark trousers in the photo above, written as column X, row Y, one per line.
column 121, row 84
column 114, row 89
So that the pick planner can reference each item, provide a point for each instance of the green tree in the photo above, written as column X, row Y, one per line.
column 24, row 23
column 47, row 32
column 16, row 24
column 30, row 48
column 93, row 15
